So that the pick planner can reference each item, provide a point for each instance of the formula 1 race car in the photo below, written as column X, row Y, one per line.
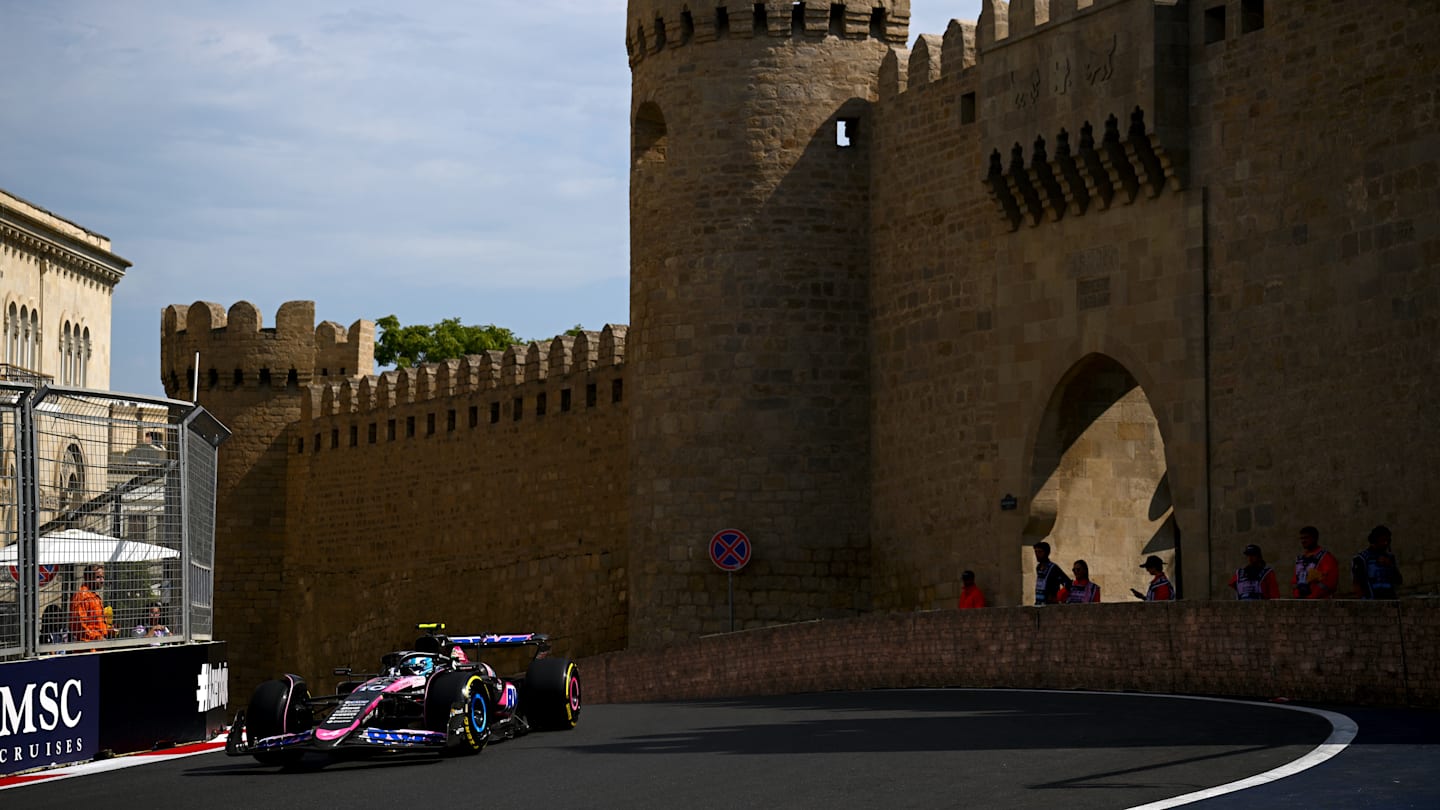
column 433, row 697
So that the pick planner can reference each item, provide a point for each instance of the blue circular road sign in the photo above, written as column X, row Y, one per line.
column 730, row 549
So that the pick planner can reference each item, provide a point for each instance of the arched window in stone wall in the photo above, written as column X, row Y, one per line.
column 65, row 344
column 651, row 135
column 34, row 340
column 84, row 358
column 71, row 483
column 12, row 332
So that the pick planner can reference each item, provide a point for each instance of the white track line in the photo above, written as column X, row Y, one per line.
column 1342, row 732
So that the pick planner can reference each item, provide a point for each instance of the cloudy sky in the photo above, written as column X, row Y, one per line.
column 433, row 160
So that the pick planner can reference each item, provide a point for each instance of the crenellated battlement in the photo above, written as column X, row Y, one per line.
column 566, row 358
column 660, row 25
column 238, row 352
column 1078, row 104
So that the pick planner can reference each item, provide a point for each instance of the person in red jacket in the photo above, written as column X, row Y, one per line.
column 1256, row 580
column 1317, row 574
column 970, row 594
column 1082, row 590
column 1160, row 589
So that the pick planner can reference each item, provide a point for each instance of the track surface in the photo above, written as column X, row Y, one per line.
column 893, row 749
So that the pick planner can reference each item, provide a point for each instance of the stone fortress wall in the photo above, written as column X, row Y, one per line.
column 1130, row 276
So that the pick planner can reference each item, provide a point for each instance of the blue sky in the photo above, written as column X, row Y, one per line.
column 448, row 159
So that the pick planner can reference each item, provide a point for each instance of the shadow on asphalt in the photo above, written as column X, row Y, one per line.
column 926, row 720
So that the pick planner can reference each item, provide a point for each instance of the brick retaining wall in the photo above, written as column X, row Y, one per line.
column 1374, row 653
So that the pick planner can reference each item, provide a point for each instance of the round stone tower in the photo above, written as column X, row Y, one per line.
column 749, row 234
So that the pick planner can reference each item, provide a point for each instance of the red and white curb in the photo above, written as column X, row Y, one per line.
column 115, row 764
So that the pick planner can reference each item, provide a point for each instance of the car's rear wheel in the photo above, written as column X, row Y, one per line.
column 455, row 703
column 551, row 700
column 278, row 707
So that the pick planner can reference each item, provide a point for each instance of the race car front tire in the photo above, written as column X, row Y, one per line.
column 551, row 697
column 279, row 706
column 455, row 703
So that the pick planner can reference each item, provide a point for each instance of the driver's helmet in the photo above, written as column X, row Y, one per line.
column 417, row 665
column 458, row 655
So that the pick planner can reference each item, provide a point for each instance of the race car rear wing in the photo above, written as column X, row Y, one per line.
column 540, row 641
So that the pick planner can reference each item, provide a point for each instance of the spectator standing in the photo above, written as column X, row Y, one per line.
column 1082, row 590
column 1160, row 589
column 970, row 594
column 1375, row 571
column 87, row 611
column 1049, row 579
column 1256, row 580
column 1317, row 575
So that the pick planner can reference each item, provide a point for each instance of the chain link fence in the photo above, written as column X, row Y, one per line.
column 107, row 511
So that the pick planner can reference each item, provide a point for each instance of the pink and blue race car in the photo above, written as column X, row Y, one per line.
column 433, row 697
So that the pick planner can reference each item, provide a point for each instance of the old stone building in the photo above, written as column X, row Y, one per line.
column 1134, row 277
column 56, row 284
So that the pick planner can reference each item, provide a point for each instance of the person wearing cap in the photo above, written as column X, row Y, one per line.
column 970, row 594
column 1375, row 572
column 1317, row 575
column 1256, row 580
column 1049, row 579
column 1160, row 589
column 1082, row 591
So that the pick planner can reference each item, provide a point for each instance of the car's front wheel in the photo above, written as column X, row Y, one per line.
column 455, row 703
column 280, row 706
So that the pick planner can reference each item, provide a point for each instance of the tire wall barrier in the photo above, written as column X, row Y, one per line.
column 1342, row 651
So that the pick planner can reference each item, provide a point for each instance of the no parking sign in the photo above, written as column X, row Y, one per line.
column 730, row 550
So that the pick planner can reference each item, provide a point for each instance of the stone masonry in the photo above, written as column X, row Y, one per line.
column 1130, row 276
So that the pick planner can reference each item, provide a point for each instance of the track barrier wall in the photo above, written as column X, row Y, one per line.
column 1340, row 651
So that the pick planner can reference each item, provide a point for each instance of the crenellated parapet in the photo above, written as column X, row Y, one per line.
column 1080, row 104
column 660, row 25
column 237, row 351
column 502, row 374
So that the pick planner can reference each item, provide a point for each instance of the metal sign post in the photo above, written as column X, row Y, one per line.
column 730, row 551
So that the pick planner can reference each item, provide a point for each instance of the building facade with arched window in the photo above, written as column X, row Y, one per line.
column 57, row 280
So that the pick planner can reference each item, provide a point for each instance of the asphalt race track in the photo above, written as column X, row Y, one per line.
column 884, row 749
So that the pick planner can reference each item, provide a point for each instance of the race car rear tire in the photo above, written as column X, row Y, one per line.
column 469, row 730
column 551, row 699
column 278, row 707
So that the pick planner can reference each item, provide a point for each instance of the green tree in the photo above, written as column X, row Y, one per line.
column 405, row 346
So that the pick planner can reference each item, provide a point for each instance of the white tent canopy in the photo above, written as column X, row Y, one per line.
column 74, row 546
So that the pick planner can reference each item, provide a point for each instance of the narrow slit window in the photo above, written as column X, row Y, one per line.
column 722, row 22
column 1252, row 15
column 517, row 409
column 846, row 130
column 877, row 24
column 1214, row 25
column 967, row 108
column 494, row 412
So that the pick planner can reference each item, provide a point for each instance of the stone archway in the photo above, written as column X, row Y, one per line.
column 1099, row 485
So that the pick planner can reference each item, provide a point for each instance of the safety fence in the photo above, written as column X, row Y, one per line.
column 107, row 512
